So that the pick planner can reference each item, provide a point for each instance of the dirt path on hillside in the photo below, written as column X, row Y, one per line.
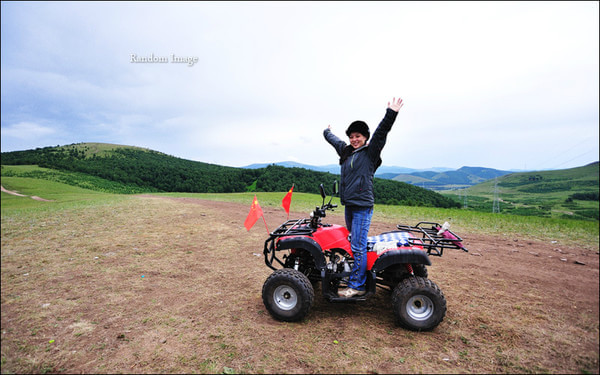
column 22, row 195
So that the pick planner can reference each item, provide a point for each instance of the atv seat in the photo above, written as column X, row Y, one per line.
column 388, row 241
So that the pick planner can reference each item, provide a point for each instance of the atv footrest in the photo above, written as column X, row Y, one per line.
column 331, row 297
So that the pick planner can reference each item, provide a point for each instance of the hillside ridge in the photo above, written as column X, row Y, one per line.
column 143, row 169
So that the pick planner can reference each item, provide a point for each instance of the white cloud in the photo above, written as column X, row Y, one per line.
column 27, row 131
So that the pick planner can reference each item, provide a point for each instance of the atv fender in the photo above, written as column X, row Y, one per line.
column 400, row 256
column 307, row 244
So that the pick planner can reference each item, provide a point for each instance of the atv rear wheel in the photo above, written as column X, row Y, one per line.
column 418, row 303
column 288, row 295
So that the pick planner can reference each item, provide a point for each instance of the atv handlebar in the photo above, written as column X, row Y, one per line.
column 319, row 213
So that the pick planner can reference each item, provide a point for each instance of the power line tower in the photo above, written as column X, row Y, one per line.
column 496, row 204
column 462, row 197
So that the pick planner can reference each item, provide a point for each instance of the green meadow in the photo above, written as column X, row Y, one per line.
column 63, row 196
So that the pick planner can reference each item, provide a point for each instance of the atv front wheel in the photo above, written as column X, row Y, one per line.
column 418, row 303
column 288, row 295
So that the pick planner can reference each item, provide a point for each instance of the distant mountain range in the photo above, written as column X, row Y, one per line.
column 437, row 178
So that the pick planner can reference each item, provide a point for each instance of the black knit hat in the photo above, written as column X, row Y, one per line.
column 358, row 127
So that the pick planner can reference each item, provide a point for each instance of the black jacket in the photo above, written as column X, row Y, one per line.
column 358, row 167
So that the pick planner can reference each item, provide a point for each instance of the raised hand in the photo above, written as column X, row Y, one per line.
column 395, row 105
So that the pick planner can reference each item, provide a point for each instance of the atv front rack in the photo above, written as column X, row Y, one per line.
column 298, row 227
column 435, row 243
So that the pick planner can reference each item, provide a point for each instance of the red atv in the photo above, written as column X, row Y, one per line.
column 305, row 251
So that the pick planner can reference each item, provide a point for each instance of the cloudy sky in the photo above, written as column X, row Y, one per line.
column 506, row 85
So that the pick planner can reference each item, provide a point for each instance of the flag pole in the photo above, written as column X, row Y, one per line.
column 290, row 200
column 269, row 233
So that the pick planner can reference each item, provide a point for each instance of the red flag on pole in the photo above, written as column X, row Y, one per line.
column 287, row 201
column 255, row 213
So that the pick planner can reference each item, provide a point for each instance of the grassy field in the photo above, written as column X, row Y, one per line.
column 580, row 232
column 106, row 283
column 80, row 180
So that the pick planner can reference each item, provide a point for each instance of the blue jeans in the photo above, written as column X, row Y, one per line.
column 358, row 221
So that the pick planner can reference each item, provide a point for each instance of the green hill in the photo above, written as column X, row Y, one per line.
column 561, row 193
column 127, row 169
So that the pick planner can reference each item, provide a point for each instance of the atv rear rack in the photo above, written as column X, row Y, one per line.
column 430, row 239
